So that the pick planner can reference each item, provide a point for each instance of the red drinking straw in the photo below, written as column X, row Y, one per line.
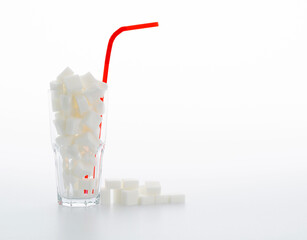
column 112, row 38
column 107, row 60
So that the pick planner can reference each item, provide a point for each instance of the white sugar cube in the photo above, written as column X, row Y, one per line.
column 56, row 86
column 152, row 188
column 103, row 86
column 59, row 125
column 73, row 84
column 64, row 140
column 65, row 73
column 92, row 121
column 55, row 101
column 88, row 80
column 177, row 198
column 70, row 182
column 129, row 197
column 66, row 104
column 105, row 196
column 73, row 152
column 81, row 169
column 89, row 158
column 142, row 190
column 99, row 107
column 116, row 196
column 113, row 183
column 88, row 142
column 147, row 200
column 73, row 126
column 82, row 104
column 130, row 183
column 93, row 94
column 161, row 199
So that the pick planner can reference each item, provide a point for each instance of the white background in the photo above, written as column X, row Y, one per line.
column 212, row 103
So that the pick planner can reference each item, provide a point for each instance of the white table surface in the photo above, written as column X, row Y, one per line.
column 219, row 205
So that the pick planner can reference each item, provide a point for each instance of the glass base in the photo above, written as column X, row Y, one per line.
column 75, row 202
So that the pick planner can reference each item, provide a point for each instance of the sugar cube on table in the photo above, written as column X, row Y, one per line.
column 83, row 106
column 162, row 199
column 105, row 196
column 177, row 198
column 146, row 200
column 65, row 73
column 142, row 190
column 116, row 193
column 152, row 187
column 130, row 183
column 113, row 183
column 73, row 126
column 129, row 197
column 72, row 84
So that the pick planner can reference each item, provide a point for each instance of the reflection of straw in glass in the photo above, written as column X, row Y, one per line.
column 112, row 38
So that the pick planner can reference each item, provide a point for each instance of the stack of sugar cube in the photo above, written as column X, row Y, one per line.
column 128, row 192
column 78, row 106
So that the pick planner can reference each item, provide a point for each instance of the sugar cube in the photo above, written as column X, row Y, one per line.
column 55, row 101
column 63, row 140
column 82, row 169
column 130, row 183
column 56, row 86
column 177, row 198
column 88, row 142
column 161, row 199
column 103, row 86
column 147, row 200
column 129, row 197
column 89, row 158
column 116, row 196
column 73, row 126
column 65, row 73
column 93, row 94
column 59, row 125
column 99, row 107
column 113, row 183
column 73, row 152
column 92, row 120
column 87, row 80
column 82, row 104
column 87, row 183
column 72, row 84
column 105, row 196
column 153, row 188
column 66, row 104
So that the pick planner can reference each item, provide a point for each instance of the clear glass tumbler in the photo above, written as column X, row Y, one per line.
column 78, row 133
